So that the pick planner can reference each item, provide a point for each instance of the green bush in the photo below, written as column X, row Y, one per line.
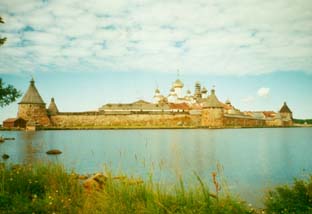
column 294, row 199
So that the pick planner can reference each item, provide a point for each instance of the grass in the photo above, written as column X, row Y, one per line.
column 48, row 188
column 39, row 189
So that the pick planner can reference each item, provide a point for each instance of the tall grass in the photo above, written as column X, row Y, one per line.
column 48, row 188
column 150, row 197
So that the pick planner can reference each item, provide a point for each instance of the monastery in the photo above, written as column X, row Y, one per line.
column 199, row 109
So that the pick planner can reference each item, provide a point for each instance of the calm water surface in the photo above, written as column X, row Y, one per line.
column 252, row 159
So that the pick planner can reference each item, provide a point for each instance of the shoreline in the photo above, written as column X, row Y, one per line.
column 149, row 128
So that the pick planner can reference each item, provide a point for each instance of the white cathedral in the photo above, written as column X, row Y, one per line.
column 176, row 94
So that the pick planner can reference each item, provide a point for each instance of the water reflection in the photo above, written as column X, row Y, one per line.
column 28, row 151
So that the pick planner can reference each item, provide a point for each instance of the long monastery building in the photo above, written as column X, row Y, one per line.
column 199, row 109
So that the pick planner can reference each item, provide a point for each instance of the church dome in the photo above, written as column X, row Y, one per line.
column 228, row 102
column 204, row 90
column 178, row 84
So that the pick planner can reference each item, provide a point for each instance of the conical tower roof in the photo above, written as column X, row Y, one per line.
column 212, row 101
column 285, row 109
column 32, row 95
column 52, row 107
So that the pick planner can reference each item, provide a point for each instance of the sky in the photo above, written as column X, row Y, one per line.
column 257, row 53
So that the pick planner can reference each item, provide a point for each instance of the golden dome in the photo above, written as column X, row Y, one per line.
column 178, row 84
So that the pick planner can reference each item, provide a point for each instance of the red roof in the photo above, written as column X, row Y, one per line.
column 269, row 113
column 182, row 106
column 196, row 106
column 227, row 107
column 10, row 120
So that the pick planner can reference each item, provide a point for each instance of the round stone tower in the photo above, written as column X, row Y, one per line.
column 212, row 112
column 32, row 108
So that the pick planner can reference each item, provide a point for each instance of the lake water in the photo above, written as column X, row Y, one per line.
column 252, row 160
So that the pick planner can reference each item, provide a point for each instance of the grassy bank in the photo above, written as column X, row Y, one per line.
column 50, row 189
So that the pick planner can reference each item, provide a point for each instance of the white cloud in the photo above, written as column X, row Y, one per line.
column 221, row 36
column 263, row 92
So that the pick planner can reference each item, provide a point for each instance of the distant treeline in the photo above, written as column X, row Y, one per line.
column 301, row 121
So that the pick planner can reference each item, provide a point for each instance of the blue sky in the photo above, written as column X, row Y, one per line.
column 88, row 53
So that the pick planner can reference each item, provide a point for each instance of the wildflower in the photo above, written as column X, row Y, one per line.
column 34, row 197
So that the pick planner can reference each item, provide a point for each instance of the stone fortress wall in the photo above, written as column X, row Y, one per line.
column 86, row 120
